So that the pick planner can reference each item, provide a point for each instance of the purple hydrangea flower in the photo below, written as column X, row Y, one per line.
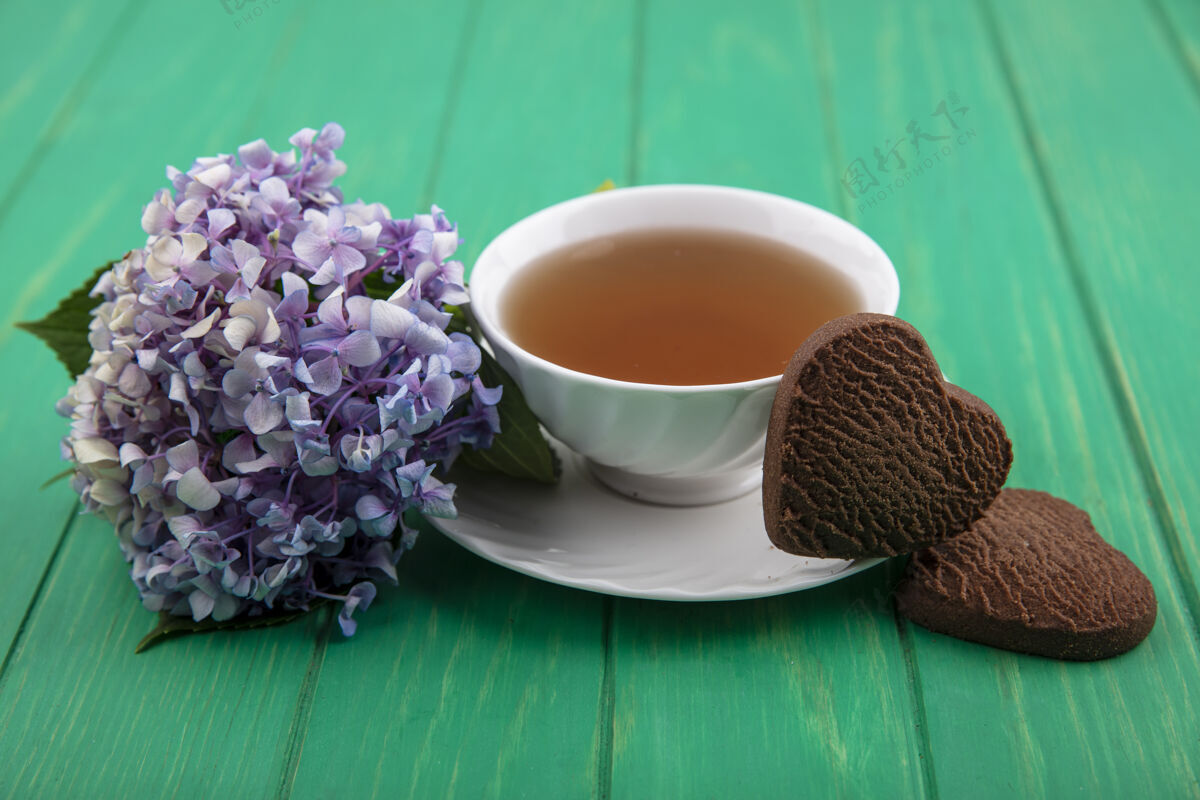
column 252, row 422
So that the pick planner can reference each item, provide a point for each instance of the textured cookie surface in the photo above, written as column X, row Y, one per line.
column 869, row 452
column 1033, row 576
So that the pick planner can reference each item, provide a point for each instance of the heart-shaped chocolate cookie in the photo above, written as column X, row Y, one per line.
column 1032, row 575
column 870, row 452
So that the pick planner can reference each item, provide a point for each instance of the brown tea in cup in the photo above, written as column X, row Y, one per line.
column 674, row 306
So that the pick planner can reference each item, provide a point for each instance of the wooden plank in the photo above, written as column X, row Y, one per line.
column 519, row 710
column 801, row 695
column 1126, row 206
column 544, row 114
column 1178, row 23
column 78, row 212
column 49, row 57
column 81, row 715
column 469, row 680
column 986, row 278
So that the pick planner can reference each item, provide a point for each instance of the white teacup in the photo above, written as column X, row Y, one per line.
column 678, row 445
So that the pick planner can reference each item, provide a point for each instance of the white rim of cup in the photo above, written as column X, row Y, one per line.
column 492, row 330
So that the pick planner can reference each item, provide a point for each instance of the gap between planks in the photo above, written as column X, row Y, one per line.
column 18, row 637
column 1162, row 18
column 636, row 84
column 73, row 99
column 1101, row 336
column 305, row 700
column 606, row 713
column 461, row 56
column 278, row 60
column 298, row 730
column 916, row 693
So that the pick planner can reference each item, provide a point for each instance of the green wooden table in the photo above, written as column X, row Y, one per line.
column 1046, row 248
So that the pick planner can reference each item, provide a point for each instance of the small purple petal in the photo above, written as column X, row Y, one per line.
column 311, row 249
column 324, row 377
column 194, row 490
column 426, row 339
column 256, row 154
column 263, row 415
column 347, row 259
column 438, row 390
column 359, row 349
column 358, row 597
column 390, row 321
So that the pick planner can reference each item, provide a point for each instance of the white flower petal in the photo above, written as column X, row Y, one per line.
column 167, row 250
column 219, row 220
column 444, row 244
column 214, row 177
column 91, row 451
column 202, row 327
column 237, row 383
column 237, row 451
column 183, row 457
column 243, row 251
column 201, row 604
column 268, row 361
column 390, row 321
column 263, row 415
column 310, row 247
column 270, row 332
column 194, row 490
column 108, row 492
column 158, row 216
column 131, row 452
column 359, row 349
column 293, row 283
column 193, row 246
column 189, row 209
column 330, row 309
column 239, row 330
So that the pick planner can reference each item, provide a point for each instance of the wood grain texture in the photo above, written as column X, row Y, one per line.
column 1126, row 216
column 1178, row 23
column 82, row 716
column 51, row 56
column 985, row 278
column 543, row 114
column 756, row 698
column 77, row 212
column 49, row 60
column 471, row 681
column 1048, row 259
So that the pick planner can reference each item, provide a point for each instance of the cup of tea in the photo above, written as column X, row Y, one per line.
column 648, row 327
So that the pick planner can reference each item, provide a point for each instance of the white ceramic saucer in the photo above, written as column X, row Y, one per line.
column 580, row 533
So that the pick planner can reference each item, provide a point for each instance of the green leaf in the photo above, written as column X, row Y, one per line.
column 170, row 626
column 65, row 329
column 375, row 287
column 460, row 322
column 519, row 450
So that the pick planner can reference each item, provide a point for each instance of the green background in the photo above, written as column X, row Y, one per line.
column 1049, row 258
